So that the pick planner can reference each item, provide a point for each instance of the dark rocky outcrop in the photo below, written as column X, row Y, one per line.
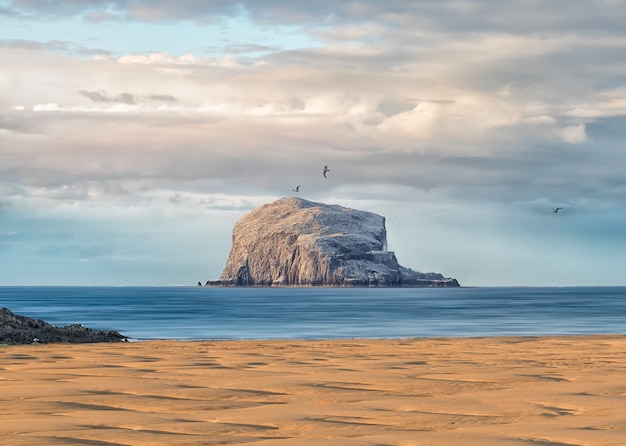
column 16, row 329
column 296, row 242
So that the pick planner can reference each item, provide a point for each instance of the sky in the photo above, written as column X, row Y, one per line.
column 134, row 134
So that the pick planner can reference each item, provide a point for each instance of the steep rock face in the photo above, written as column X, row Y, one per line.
column 295, row 242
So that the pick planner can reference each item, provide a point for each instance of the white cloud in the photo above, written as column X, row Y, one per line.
column 160, row 58
column 168, row 59
column 352, row 32
column 573, row 134
column 551, row 127
column 540, row 120
column 607, row 103
column 50, row 106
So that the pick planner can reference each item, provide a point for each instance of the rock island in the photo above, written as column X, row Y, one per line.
column 296, row 242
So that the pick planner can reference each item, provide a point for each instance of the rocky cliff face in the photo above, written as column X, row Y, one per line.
column 295, row 242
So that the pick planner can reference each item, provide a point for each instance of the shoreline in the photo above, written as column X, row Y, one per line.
column 347, row 338
column 513, row 390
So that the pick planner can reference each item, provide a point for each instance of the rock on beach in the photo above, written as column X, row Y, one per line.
column 16, row 329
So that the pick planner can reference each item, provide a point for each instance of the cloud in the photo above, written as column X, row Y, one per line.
column 248, row 48
column 462, row 98
column 53, row 45
column 99, row 10
column 50, row 106
column 573, row 133
column 161, row 59
column 161, row 98
column 102, row 96
column 352, row 32
column 440, row 15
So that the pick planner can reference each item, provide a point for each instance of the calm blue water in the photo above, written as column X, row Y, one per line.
column 297, row 313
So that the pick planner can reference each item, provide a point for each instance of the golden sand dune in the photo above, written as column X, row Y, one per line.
column 553, row 391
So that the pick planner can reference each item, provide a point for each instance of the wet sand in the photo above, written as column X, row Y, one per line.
column 547, row 391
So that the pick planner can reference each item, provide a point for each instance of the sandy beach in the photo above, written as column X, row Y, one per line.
column 544, row 391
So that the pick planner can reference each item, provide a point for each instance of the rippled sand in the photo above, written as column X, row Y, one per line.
column 553, row 391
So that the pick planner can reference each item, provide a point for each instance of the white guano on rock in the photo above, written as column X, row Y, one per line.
column 296, row 242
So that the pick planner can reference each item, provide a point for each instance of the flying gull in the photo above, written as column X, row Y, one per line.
column 297, row 189
column 326, row 169
column 555, row 210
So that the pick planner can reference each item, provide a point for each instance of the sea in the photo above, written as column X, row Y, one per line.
column 216, row 313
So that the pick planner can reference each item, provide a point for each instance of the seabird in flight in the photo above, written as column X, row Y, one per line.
column 326, row 169
column 297, row 189
column 555, row 210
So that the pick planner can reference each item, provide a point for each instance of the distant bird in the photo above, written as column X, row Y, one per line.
column 555, row 210
column 297, row 189
column 326, row 169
